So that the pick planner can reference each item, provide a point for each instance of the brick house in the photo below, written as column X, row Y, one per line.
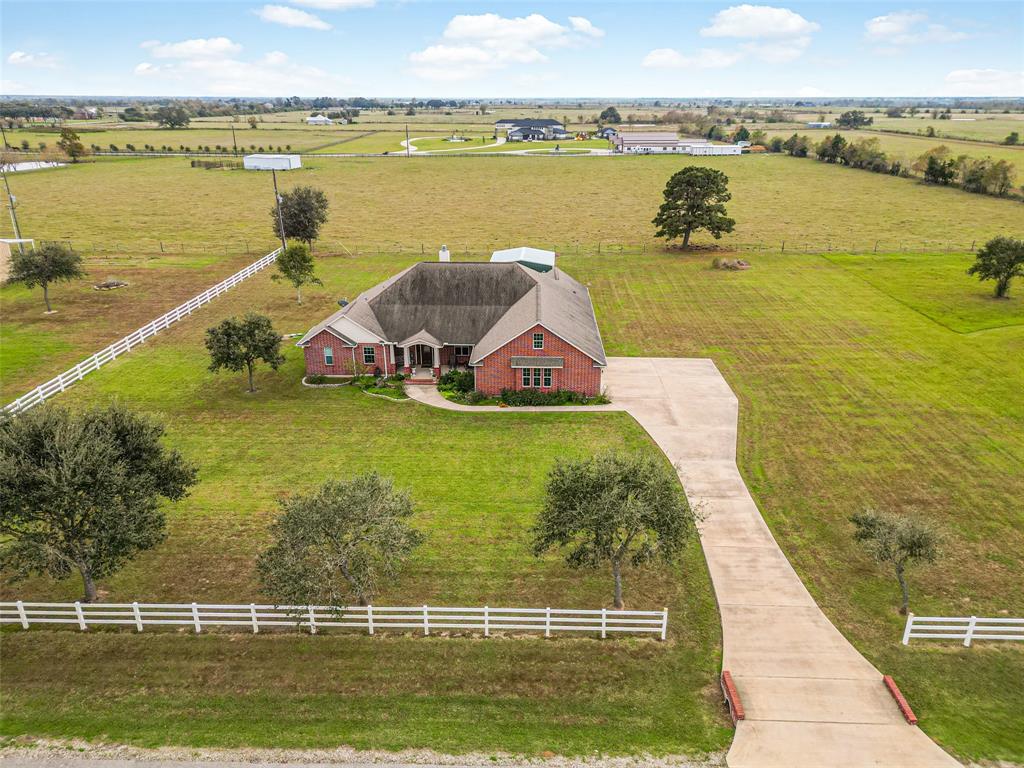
column 513, row 326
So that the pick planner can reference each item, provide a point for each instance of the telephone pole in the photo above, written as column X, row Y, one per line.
column 280, row 215
column 10, row 202
column 407, row 140
column 234, row 140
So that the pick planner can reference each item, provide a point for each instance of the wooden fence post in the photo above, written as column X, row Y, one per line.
column 487, row 623
column 80, row 615
column 138, row 616
column 604, row 623
column 906, row 629
column 312, row 621
column 664, row 623
column 369, row 618
column 547, row 622
column 426, row 622
column 195, row 618
column 22, row 615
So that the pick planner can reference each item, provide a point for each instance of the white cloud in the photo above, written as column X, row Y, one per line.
column 335, row 5
column 908, row 28
column 291, row 17
column 705, row 58
column 25, row 59
column 198, row 48
column 11, row 86
column 985, row 82
column 585, row 27
column 211, row 70
column 757, row 21
column 475, row 44
column 778, row 51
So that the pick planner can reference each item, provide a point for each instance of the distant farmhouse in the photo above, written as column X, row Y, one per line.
column 526, row 129
column 656, row 143
column 516, row 326
column 319, row 120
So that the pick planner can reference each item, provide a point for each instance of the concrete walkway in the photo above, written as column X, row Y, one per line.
column 811, row 699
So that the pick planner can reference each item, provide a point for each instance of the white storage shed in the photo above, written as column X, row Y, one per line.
column 271, row 162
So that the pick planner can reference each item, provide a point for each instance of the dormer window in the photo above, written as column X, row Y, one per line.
column 538, row 341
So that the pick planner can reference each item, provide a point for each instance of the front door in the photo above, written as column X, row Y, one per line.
column 423, row 356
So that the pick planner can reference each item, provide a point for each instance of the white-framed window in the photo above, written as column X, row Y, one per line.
column 526, row 377
column 328, row 356
column 538, row 341
column 463, row 351
column 536, row 377
column 547, row 377
column 369, row 356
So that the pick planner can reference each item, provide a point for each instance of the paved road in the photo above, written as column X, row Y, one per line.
column 811, row 700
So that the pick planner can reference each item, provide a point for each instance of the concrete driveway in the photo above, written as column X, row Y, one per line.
column 811, row 699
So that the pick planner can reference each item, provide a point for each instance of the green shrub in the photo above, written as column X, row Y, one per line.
column 317, row 378
column 521, row 397
column 457, row 381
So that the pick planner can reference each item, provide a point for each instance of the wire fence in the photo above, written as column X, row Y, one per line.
column 366, row 618
column 113, row 250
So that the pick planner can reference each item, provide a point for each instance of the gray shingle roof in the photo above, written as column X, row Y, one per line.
column 481, row 304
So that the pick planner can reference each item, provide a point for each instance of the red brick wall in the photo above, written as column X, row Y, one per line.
column 496, row 373
column 342, row 357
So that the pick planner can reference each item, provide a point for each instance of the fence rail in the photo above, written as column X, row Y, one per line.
column 965, row 628
column 63, row 381
column 369, row 618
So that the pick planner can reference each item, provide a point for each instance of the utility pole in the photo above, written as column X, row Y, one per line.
column 234, row 140
column 407, row 140
column 6, row 145
column 10, row 202
column 280, row 215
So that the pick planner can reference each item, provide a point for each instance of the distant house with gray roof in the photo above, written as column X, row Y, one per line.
column 515, row 327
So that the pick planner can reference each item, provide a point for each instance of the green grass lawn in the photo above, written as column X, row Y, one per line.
column 569, row 695
column 464, row 202
column 889, row 380
column 299, row 138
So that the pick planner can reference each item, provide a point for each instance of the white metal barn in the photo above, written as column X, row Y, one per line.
column 540, row 260
column 319, row 120
column 651, row 143
column 271, row 162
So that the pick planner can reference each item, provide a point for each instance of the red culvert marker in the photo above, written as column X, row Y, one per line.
column 901, row 702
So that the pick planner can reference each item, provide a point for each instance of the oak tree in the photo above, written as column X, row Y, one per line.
column 695, row 198
column 241, row 343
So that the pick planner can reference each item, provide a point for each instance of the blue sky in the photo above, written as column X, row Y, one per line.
column 505, row 49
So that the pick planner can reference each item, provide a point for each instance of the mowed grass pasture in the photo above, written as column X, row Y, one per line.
column 479, row 203
column 884, row 379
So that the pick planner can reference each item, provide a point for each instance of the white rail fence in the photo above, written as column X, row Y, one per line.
column 370, row 618
column 965, row 628
column 60, row 383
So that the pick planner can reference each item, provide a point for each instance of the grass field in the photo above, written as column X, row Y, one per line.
column 908, row 148
column 299, row 139
column 889, row 380
column 528, row 696
column 465, row 202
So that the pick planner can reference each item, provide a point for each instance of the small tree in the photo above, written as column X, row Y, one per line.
column 49, row 263
column 610, row 115
column 296, row 266
column 1000, row 259
column 939, row 171
column 614, row 509
column 81, row 491
column 854, row 118
column 695, row 198
column 70, row 144
column 1012, row 139
column 236, row 344
column 304, row 211
column 897, row 540
column 342, row 542
column 741, row 134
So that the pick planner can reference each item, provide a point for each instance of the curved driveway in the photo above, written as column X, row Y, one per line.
column 811, row 699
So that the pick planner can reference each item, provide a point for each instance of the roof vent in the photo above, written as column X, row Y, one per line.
column 444, row 254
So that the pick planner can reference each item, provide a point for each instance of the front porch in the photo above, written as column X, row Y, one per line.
column 424, row 360
column 426, row 374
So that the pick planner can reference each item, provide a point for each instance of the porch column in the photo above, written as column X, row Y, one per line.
column 406, row 360
column 437, row 362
